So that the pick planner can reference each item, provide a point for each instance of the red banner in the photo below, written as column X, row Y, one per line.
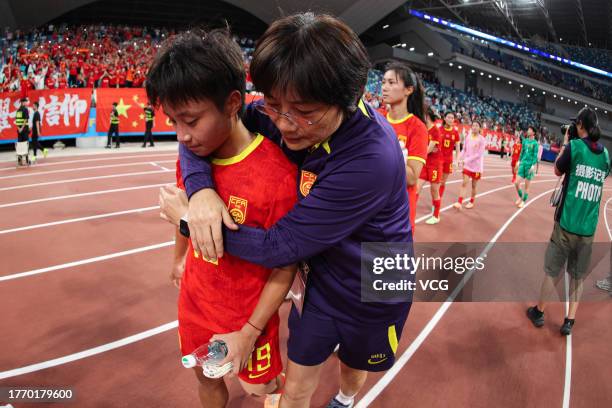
column 130, row 106
column 62, row 111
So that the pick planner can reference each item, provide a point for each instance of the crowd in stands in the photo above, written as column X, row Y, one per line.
column 103, row 56
column 493, row 113
column 538, row 71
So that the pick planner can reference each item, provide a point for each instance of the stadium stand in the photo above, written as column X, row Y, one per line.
column 90, row 56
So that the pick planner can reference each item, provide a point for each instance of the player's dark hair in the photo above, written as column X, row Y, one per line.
column 196, row 65
column 477, row 121
column 36, row 104
column 431, row 113
column 588, row 118
column 535, row 131
column 448, row 113
column 416, row 100
column 316, row 56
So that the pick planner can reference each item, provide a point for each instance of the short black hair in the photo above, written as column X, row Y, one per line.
column 114, row 103
column 535, row 131
column 196, row 65
column 36, row 104
column 449, row 113
column 315, row 55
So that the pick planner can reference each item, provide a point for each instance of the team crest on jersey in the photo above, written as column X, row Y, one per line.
column 402, row 139
column 238, row 209
column 307, row 179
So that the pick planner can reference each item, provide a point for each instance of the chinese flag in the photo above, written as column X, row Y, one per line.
column 130, row 106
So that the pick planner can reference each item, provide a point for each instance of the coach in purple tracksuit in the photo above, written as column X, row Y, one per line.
column 312, row 70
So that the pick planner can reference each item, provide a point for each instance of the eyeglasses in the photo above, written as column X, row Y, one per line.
column 293, row 118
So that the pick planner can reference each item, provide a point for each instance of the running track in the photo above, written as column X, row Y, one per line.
column 86, row 300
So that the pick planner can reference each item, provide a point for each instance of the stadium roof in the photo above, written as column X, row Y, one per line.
column 578, row 22
column 359, row 14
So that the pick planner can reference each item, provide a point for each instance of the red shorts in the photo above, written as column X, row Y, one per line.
column 447, row 167
column 513, row 163
column 432, row 172
column 472, row 175
column 265, row 363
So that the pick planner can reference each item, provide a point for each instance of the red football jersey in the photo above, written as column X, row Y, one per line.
column 516, row 151
column 412, row 134
column 434, row 157
column 258, row 187
column 448, row 138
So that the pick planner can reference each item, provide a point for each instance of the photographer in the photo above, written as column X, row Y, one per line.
column 585, row 163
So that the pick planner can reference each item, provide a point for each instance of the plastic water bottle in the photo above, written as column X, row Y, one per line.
column 208, row 354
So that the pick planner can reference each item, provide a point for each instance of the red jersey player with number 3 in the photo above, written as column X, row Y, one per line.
column 432, row 171
column 450, row 140
column 403, row 92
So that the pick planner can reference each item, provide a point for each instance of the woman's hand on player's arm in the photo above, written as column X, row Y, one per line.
column 206, row 214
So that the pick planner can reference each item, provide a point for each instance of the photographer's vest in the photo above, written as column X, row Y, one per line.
column 583, row 197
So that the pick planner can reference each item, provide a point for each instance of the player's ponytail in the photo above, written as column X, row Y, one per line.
column 416, row 100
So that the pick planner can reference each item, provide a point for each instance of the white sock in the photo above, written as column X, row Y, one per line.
column 344, row 399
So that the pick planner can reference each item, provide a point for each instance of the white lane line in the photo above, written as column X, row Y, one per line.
column 93, row 193
column 59, row 163
column 71, row 220
column 481, row 195
column 386, row 379
column 85, row 261
column 89, row 352
column 156, row 164
column 567, row 386
column 606, row 218
column 108, row 166
column 150, row 333
column 76, row 180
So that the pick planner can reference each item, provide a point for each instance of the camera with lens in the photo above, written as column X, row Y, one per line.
column 571, row 130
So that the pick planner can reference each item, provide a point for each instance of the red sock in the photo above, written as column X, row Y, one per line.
column 472, row 200
column 460, row 200
column 442, row 187
column 436, row 204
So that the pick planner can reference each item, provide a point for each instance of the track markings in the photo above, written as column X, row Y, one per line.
column 375, row 391
column 107, row 166
column 71, row 220
column 78, row 180
column 85, row 261
column 93, row 193
column 59, row 163
column 89, row 352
